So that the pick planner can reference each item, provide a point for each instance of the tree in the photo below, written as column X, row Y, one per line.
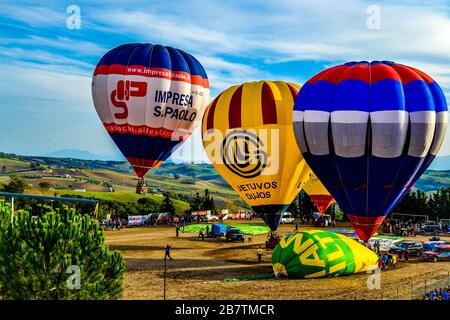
column 439, row 204
column 208, row 202
column 414, row 202
column 41, row 257
column 15, row 185
column 167, row 204
column 45, row 185
column 306, row 205
column 294, row 208
column 4, row 169
column 196, row 202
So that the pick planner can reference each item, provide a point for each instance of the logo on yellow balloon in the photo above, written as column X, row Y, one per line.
column 243, row 153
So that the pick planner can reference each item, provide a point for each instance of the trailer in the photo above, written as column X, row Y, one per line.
column 217, row 230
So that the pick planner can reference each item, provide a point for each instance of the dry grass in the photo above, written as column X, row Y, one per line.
column 200, row 267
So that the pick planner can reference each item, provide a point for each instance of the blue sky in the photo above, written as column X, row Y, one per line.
column 46, row 67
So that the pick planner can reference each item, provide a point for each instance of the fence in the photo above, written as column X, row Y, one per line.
column 419, row 289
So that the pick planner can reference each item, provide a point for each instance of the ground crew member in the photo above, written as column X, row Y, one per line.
column 259, row 252
column 167, row 255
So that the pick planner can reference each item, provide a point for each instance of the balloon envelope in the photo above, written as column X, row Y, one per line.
column 369, row 130
column 150, row 98
column 316, row 253
column 318, row 193
column 248, row 136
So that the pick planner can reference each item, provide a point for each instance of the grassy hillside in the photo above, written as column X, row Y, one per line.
column 93, row 178
column 69, row 175
column 433, row 180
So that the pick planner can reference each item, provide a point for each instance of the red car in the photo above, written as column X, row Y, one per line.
column 438, row 253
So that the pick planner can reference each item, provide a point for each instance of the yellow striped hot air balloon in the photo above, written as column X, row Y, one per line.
column 248, row 135
column 318, row 193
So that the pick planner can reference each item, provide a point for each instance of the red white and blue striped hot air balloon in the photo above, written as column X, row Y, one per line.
column 369, row 131
column 150, row 98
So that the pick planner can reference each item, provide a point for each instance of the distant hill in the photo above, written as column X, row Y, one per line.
column 182, row 177
column 433, row 180
column 83, row 155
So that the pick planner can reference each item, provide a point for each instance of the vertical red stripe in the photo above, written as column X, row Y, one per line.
column 268, row 105
column 212, row 109
column 294, row 91
column 235, row 112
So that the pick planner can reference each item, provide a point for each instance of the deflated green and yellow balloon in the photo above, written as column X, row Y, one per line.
column 316, row 253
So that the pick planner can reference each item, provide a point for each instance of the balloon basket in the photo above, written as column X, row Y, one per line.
column 141, row 187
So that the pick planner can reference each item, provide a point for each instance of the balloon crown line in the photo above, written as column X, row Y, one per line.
column 387, row 62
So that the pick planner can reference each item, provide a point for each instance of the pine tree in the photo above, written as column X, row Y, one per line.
column 294, row 208
column 208, row 202
column 167, row 204
column 39, row 255
column 306, row 205
column 196, row 203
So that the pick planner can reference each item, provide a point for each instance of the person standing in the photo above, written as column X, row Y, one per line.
column 167, row 255
column 259, row 253
column 177, row 230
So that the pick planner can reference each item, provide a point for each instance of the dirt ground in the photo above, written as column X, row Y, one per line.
column 200, row 267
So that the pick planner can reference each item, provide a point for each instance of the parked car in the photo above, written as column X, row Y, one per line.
column 413, row 248
column 234, row 234
column 429, row 245
column 434, row 229
column 438, row 253
column 287, row 218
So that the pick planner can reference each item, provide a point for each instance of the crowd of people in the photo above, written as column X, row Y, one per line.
column 113, row 224
column 438, row 294
column 405, row 229
column 324, row 221
column 408, row 228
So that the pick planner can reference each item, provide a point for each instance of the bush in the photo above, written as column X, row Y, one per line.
column 36, row 253
column 45, row 185
column 15, row 185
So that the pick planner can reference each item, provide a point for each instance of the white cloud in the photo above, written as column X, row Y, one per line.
column 45, row 59
column 75, row 46
column 34, row 16
column 224, row 34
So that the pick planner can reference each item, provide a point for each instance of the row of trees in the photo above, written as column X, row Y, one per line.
column 203, row 203
column 436, row 204
column 303, row 206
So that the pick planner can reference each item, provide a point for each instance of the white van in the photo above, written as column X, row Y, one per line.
column 287, row 218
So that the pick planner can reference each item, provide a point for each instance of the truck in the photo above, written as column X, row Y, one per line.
column 429, row 245
column 217, row 230
column 430, row 229
column 234, row 234
column 411, row 247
